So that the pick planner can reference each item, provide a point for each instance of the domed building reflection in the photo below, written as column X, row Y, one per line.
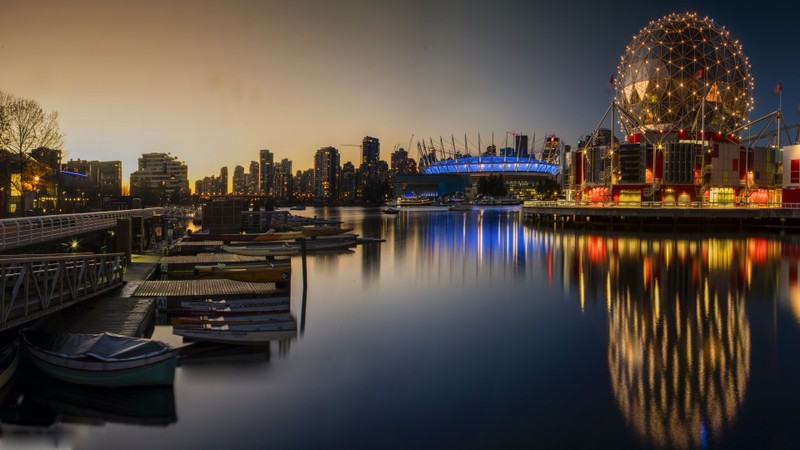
column 678, row 335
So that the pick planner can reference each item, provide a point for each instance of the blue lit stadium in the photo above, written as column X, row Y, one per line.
column 490, row 164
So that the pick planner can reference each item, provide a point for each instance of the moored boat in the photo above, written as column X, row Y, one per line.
column 391, row 210
column 101, row 359
column 232, row 319
column 294, row 248
column 237, row 303
column 498, row 201
column 252, row 334
column 251, row 272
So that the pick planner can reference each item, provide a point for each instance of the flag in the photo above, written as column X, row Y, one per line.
column 777, row 90
column 699, row 74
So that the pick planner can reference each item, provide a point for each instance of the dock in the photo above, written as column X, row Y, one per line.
column 116, row 312
column 169, row 294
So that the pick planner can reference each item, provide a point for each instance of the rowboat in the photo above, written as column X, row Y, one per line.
column 9, row 361
column 251, row 334
column 106, row 359
column 232, row 320
column 289, row 249
column 236, row 303
column 252, row 272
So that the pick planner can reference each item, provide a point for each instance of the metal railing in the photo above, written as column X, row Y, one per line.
column 23, row 231
column 35, row 285
column 650, row 205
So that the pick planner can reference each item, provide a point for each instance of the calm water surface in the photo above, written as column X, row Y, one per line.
column 476, row 330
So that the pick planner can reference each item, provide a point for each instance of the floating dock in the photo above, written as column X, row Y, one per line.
column 169, row 294
column 119, row 315
column 175, row 264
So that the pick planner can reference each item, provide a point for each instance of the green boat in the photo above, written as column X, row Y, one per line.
column 106, row 359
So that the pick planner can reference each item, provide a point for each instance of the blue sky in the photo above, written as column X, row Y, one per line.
column 213, row 82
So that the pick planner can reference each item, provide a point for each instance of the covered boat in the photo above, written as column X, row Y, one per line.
column 104, row 359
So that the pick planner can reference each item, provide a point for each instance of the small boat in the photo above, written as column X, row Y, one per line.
column 106, row 359
column 9, row 361
column 237, row 303
column 294, row 248
column 391, row 210
column 232, row 319
column 298, row 208
column 269, row 236
column 249, row 334
column 252, row 272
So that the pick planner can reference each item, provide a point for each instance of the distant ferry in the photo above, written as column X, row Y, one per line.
column 414, row 201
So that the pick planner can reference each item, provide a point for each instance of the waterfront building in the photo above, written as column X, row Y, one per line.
column 161, row 178
column 266, row 171
column 326, row 175
column 282, row 185
column 106, row 175
column 681, row 123
column 402, row 164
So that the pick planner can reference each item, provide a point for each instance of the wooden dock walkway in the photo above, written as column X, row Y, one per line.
column 172, row 264
column 170, row 293
column 126, row 316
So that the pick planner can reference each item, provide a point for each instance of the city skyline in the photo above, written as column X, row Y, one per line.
column 217, row 82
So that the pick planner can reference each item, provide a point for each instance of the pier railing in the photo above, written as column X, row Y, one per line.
column 23, row 231
column 35, row 285
column 650, row 205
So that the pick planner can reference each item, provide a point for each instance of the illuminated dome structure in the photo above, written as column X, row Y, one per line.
column 681, row 73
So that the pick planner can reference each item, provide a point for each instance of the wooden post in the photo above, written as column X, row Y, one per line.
column 305, row 285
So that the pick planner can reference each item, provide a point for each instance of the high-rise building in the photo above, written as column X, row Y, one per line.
column 282, row 186
column 253, row 179
column 402, row 164
column 326, row 174
column 266, row 171
column 106, row 175
column 521, row 145
column 222, row 188
column 348, row 191
column 367, row 171
column 239, row 182
column 161, row 174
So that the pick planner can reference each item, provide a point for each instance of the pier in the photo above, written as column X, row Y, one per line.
column 660, row 214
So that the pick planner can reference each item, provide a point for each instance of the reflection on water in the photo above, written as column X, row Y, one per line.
column 678, row 335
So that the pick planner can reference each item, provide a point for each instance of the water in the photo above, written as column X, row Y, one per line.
column 476, row 330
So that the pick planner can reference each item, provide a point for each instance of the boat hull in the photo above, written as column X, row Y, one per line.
column 255, row 335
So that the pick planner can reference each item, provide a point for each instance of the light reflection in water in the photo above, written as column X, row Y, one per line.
column 678, row 336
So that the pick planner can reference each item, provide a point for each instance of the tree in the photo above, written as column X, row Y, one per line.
column 25, row 126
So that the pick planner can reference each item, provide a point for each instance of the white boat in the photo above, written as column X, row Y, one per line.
column 249, row 334
column 231, row 319
column 461, row 207
column 414, row 201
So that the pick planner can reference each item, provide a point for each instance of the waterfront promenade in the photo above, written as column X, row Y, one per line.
column 662, row 214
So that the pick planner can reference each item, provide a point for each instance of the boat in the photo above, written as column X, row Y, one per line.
column 250, row 272
column 239, row 303
column 269, row 236
column 232, row 319
column 391, row 210
column 249, row 334
column 107, row 359
column 294, row 248
column 9, row 361
column 298, row 208
column 414, row 201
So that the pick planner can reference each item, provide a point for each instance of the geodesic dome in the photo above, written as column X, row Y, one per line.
column 683, row 72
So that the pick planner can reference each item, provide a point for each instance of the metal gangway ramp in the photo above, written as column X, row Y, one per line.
column 36, row 285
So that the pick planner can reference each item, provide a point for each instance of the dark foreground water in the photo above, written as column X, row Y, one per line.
column 475, row 330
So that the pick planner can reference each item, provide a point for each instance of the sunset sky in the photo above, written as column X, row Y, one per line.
column 213, row 82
